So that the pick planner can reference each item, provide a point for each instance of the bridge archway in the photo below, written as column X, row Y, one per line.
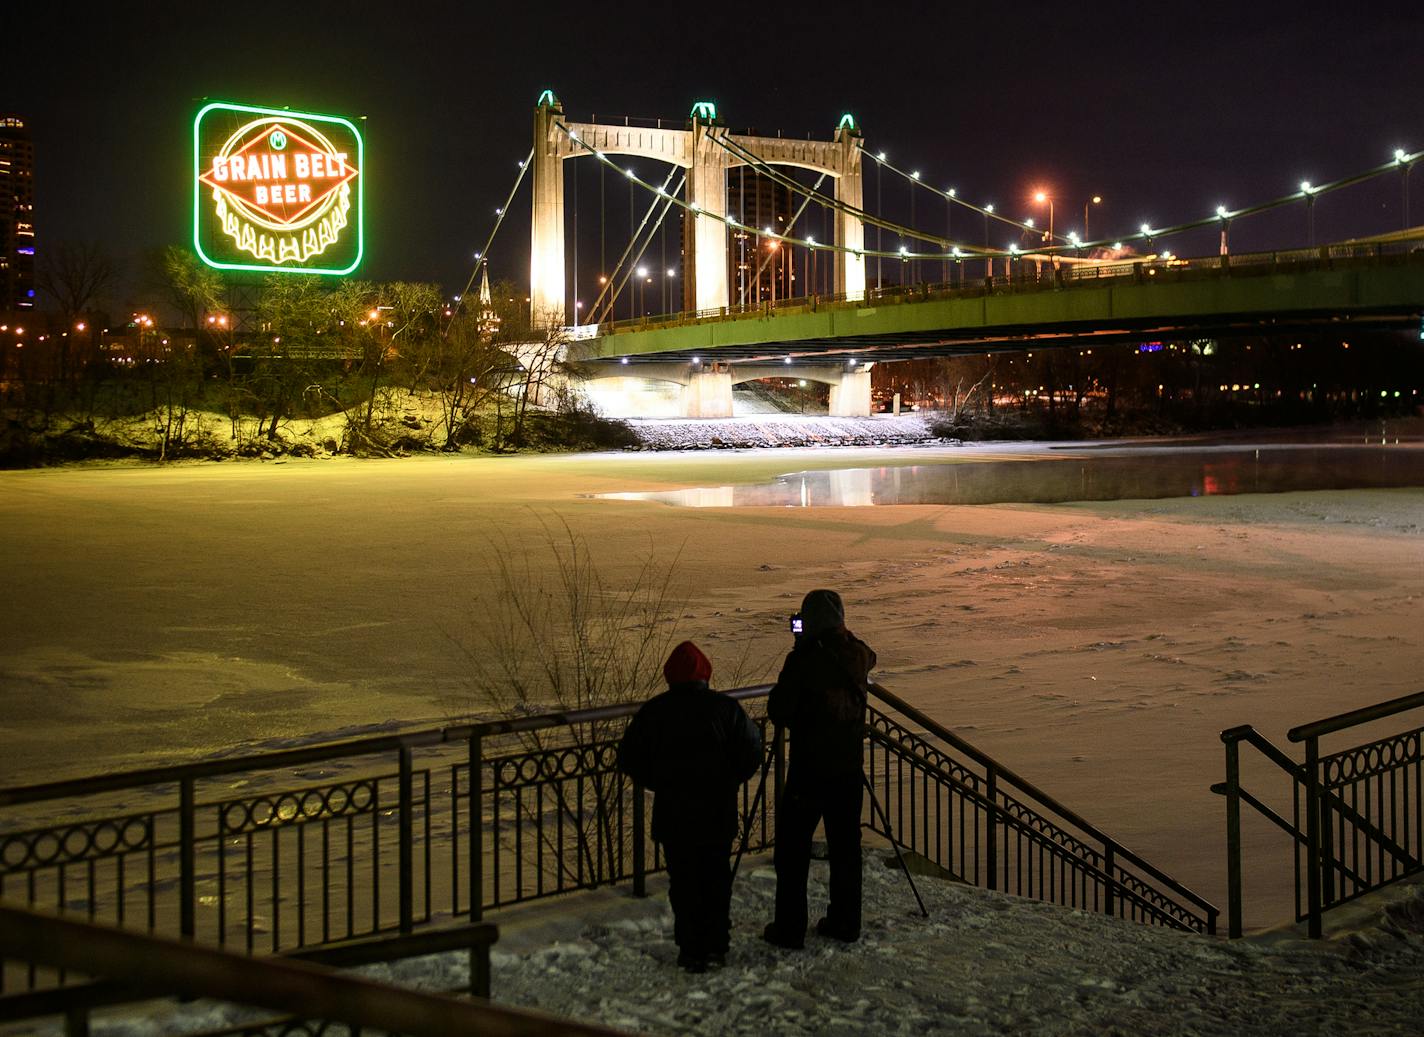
column 700, row 150
column 704, row 390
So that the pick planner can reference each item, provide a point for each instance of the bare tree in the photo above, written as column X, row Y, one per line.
column 394, row 313
column 76, row 275
column 565, row 637
column 459, row 366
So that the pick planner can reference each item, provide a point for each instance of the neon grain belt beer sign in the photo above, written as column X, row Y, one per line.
column 277, row 190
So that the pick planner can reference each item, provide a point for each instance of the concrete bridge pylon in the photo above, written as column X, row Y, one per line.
column 696, row 148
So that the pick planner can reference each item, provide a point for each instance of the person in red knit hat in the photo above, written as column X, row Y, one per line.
column 694, row 748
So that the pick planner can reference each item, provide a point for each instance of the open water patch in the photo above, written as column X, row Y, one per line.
column 1052, row 477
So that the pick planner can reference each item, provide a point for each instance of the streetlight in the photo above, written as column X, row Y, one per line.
column 1401, row 158
column 988, row 261
column 1307, row 190
column 1224, row 215
column 642, row 296
column 1040, row 197
column 1097, row 199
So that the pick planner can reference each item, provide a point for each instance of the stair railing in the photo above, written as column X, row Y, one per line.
column 1357, row 817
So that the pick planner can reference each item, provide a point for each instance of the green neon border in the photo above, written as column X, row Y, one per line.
column 360, row 190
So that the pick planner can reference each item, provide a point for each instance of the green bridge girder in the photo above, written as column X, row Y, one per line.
column 1194, row 298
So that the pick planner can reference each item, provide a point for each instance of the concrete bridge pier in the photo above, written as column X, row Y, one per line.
column 708, row 392
column 850, row 397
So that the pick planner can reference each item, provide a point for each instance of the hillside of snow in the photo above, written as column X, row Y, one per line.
column 780, row 430
column 983, row 963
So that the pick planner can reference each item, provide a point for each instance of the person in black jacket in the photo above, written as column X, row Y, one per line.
column 694, row 748
column 820, row 698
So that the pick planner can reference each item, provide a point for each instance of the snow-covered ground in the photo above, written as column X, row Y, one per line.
column 780, row 430
column 157, row 614
column 982, row 963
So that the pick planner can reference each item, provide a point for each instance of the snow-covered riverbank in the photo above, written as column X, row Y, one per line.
column 983, row 963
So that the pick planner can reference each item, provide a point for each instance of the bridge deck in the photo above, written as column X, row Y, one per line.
column 1341, row 286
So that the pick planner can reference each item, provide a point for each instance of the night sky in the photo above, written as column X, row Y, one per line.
column 1164, row 109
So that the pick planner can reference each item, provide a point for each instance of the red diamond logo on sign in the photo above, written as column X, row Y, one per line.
column 275, row 173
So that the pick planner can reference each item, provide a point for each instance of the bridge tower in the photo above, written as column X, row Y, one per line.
column 705, row 264
column 708, row 161
column 546, row 245
column 850, row 231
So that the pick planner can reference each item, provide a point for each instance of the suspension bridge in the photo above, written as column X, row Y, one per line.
column 762, row 297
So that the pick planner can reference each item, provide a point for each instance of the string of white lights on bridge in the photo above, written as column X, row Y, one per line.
column 949, row 194
column 1307, row 192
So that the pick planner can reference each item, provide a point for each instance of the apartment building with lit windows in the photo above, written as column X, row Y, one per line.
column 17, row 216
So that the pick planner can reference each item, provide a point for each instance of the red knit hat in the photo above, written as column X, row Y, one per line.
column 687, row 663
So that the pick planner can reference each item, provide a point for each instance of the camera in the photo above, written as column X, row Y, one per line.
column 797, row 626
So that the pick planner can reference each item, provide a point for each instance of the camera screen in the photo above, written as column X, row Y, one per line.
column 797, row 626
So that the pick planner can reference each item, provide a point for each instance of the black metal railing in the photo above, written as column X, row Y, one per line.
column 985, row 825
column 276, row 852
column 1038, row 274
column 1356, row 815
column 132, row 966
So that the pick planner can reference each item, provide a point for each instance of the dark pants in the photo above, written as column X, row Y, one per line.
column 804, row 804
column 700, row 891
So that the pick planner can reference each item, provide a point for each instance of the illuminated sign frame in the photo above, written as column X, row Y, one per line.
column 199, row 212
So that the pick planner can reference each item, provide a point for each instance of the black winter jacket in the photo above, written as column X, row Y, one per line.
column 693, row 747
column 820, row 699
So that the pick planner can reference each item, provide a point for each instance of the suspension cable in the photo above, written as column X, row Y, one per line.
column 661, row 193
column 960, row 250
column 1307, row 193
column 752, row 159
column 482, row 256
column 756, row 278
column 957, row 252
column 950, row 195
column 648, row 238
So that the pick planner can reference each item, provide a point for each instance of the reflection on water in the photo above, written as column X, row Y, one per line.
column 1125, row 474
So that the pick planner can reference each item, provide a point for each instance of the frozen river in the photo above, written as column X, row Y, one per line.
column 1097, row 647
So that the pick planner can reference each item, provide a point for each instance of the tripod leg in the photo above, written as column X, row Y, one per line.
column 890, row 833
column 747, row 824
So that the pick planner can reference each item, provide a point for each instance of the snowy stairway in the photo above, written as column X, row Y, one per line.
column 958, row 807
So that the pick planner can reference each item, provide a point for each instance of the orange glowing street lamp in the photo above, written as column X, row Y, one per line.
column 1040, row 197
column 1097, row 199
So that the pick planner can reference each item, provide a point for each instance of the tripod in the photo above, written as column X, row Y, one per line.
column 890, row 834
column 875, row 806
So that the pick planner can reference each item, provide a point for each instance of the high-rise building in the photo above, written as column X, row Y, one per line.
column 17, row 216
column 760, row 268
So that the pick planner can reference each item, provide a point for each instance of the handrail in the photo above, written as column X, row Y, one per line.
column 1019, row 793
column 22, row 794
column 166, row 967
column 940, row 731
column 1265, row 746
column 1354, row 717
column 1088, row 867
column 1322, row 805
column 475, row 938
